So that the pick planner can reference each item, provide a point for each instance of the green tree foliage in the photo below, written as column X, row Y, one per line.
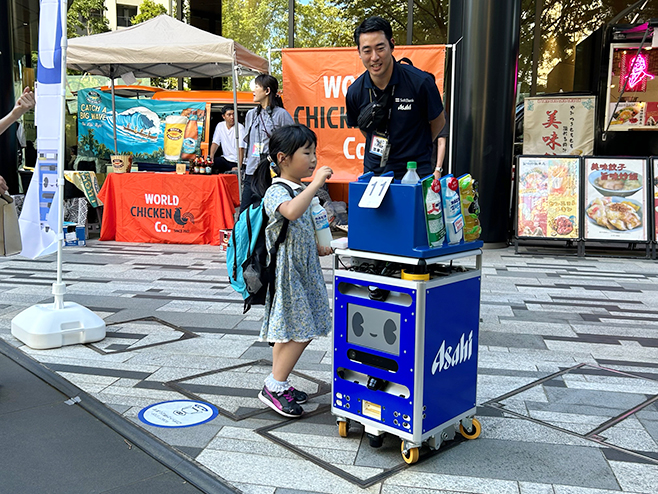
column 148, row 9
column 430, row 18
column 86, row 17
column 259, row 26
column 321, row 23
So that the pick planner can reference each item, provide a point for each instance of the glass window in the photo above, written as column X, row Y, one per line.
column 124, row 13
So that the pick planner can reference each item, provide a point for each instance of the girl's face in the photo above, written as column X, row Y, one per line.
column 301, row 164
column 261, row 95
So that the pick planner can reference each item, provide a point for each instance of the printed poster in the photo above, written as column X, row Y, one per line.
column 651, row 114
column 615, row 199
column 142, row 125
column 627, row 114
column 559, row 126
column 548, row 205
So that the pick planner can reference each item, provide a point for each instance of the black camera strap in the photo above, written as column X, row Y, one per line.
column 386, row 100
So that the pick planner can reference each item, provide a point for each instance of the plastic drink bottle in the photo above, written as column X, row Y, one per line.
column 454, row 220
column 411, row 177
column 468, row 194
column 321, row 223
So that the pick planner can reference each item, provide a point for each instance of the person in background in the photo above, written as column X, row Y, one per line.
column 409, row 114
column 224, row 137
column 441, row 144
column 260, row 122
column 299, row 309
column 25, row 103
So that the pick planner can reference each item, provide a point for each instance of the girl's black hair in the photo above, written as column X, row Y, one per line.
column 287, row 140
column 267, row 81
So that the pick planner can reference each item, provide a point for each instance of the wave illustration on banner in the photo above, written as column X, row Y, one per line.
column 138, row 125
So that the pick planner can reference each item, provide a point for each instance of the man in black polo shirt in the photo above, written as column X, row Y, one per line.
column 397, row 107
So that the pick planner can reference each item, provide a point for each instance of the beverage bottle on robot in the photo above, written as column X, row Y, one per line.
column 411, row 177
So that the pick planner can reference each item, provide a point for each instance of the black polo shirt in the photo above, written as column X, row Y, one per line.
column 416, row 101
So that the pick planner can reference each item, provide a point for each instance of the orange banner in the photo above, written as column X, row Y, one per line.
column 315, row 81
column 168, row 208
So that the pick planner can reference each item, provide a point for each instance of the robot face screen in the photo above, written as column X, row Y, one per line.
column 373, row 328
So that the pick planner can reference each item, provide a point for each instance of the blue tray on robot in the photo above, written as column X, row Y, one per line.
column 397, row 227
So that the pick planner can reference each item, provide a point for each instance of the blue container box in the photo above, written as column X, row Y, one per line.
column 74, row 235
column 397, row 227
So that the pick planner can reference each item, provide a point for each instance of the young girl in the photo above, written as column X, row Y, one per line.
column 259, row 124
column 299, row 310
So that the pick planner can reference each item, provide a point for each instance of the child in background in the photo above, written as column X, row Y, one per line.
column 299, row 310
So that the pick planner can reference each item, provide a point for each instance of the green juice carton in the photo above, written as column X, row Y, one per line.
column 436, row 230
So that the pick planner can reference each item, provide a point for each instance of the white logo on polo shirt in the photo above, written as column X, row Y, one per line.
column 404, row 107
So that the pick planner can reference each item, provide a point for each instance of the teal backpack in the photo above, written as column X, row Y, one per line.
column 246, row 255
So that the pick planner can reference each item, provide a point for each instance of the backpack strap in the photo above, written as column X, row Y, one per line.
column 279, row 240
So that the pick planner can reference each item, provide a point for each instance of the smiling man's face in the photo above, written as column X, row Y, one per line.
column 376, row 54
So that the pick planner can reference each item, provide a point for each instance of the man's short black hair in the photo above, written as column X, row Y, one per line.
column 371, row 25
column 227, row 108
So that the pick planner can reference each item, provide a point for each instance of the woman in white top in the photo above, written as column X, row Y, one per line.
column 260, row 122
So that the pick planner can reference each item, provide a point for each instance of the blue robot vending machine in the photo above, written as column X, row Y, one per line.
column 405, row 346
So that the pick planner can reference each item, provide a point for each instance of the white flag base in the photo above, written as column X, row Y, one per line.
column 43, row 326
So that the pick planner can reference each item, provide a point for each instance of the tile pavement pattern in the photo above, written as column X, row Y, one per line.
column 567, row 385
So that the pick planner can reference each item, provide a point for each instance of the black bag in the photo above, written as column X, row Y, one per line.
column 373, row 114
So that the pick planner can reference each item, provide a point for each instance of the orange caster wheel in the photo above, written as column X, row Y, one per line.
column 343, row 429
column 474, row 432
column 411, row 456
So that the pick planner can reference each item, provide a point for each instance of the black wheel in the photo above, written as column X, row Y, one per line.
column 376, row 441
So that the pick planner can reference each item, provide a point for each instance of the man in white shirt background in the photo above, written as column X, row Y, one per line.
column 224, row 137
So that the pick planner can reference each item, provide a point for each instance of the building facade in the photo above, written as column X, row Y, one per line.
column 119, row 12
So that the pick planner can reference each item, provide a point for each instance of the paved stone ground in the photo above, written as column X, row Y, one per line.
column 567, row 386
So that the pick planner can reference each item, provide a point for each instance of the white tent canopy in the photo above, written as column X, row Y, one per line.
column 161, row 47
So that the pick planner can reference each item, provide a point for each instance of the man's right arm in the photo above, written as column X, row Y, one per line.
column 213, row 149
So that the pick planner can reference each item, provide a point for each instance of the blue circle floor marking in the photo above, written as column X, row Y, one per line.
column 178, row 413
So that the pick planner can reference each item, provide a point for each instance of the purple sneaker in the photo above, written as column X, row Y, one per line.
column 299, row 396
column 282, row 403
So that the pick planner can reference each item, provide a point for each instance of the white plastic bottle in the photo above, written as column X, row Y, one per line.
column 452, row 209
column 411, row 177
column 321, row 223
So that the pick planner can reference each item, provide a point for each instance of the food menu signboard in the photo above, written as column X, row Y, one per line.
column 548, row 205
column 559, row 126
column 615, row 199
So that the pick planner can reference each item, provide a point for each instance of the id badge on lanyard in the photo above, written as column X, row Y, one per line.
column 380, row 146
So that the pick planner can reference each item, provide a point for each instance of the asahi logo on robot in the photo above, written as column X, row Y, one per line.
column 448, row 357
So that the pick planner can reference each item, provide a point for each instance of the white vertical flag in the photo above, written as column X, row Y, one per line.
column 39, row 217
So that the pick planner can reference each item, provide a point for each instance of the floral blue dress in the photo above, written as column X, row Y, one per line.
column 299, row 310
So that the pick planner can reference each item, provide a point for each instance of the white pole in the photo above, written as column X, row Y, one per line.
column 114, row 110
column 59, row 287
column 452, row 103
column 234, row 77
